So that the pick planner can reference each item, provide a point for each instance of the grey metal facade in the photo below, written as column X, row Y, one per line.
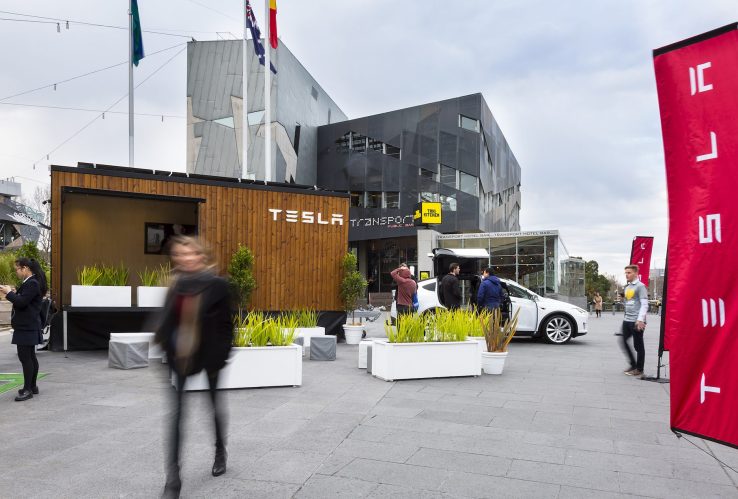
column 214, row 101
column 451, row 151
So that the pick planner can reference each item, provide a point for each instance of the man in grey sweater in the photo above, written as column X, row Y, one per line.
column 634, row 321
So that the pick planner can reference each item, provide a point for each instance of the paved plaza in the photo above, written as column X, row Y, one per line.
column 562, row 421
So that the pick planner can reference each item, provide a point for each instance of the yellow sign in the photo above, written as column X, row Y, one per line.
column 427, row 213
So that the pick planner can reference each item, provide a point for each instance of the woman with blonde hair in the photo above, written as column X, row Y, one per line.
column 196, row 331
column 598, row 304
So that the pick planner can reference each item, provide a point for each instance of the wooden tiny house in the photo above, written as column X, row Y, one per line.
column 103, row 214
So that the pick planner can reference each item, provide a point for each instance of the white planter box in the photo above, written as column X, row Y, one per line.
column 155, row 351
column 307, row 333
column 479, row 339
column 391, row 361
column 363, row 347
column 253, row 367
column 101, row 296
column 151, row 296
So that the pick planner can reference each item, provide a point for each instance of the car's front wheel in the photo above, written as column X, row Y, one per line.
column 558, row 329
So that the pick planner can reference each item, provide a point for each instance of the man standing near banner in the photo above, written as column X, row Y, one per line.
column 634, row 321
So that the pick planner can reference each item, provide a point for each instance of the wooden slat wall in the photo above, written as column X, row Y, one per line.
column 297, row 265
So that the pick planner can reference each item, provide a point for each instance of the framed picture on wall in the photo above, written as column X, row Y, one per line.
column 157, row 235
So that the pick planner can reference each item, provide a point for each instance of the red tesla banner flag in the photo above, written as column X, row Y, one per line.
column 640, row 254
column 697, row 83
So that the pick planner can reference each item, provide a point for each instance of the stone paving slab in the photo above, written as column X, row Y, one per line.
column 561, row 422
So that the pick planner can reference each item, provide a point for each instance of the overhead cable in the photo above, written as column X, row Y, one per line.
column 62, row 108
column 85, row 74
column 56, row 20
column 106, row 110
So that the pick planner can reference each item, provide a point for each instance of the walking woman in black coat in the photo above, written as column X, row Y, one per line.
column 196, row 332
column 26, row 320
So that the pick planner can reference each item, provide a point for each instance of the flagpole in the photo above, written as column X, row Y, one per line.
column 130, row 84
column 267, row 98
column 245, row 111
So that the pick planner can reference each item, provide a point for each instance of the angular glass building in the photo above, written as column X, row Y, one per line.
column 451, row 151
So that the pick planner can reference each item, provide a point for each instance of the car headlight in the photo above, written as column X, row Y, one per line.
column 581, row 311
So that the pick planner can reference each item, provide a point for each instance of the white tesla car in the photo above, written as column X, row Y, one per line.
column 555, row 321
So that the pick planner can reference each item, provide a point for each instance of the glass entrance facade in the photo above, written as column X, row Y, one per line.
column 382, row 256
column 537, row 260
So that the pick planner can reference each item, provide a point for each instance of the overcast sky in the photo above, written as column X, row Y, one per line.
column 571, row 84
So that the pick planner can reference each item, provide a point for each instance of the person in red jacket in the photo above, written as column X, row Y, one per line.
column 406, row 288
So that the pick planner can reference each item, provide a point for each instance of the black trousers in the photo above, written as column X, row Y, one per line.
column 629, row 331
column 178, row 416
column 27, row 357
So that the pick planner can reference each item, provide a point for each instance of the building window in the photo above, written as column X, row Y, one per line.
column 468, row 123
column 376, row 145
column 448, row 203
column 314, row 93
column 255, row 117
column 358, row 142
column 468, row 183
column 343, row 143
column 392, row 200
column 428, row 196
column 427, row 174
column 357, row 199
column 373, row 199
column 448, row 176
column 392, row 151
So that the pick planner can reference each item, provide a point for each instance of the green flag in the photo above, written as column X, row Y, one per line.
column 138, row 46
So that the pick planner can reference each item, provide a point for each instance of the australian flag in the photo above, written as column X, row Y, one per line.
column 256, row 36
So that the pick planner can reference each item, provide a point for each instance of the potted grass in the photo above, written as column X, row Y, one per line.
column 497, row 336
column 421, row 346
column 476, row 323
column 263, row 355
column 353, row 286
column 101, row 286
column 306, row 324
column 153, row 290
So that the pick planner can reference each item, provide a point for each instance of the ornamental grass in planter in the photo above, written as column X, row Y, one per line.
column 497, row 336
column 153, row 289
column 263, row 355
column 257, row 329
column 455, row 325
column 156, row 277
column 306, row 318
column 418, row 347
column 445, row 325
column 102, row 286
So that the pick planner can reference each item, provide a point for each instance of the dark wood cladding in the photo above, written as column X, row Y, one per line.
column 297, row 265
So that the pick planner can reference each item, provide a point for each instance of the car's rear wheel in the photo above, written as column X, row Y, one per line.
column 558, row 329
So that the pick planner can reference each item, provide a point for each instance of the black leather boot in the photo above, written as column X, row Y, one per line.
column 219, row 466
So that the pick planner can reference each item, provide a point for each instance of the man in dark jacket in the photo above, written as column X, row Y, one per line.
column 450, row 289
column 490, row 292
